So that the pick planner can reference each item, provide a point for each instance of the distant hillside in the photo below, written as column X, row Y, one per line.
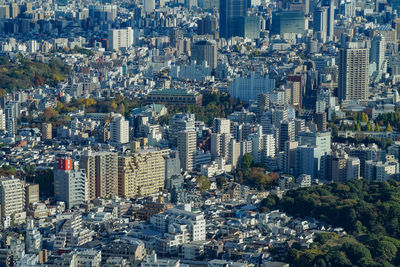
column 27, row 73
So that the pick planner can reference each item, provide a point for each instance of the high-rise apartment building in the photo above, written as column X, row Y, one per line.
column 119, row 128
column 187, row 149
column 2, row 120
column 232, row 15
column 353, row 72
column 142, row 173
column 12, row 198
column 70, row 185
column 120, row 38
column 46, row 131
column 205, row 51
column 101, row 169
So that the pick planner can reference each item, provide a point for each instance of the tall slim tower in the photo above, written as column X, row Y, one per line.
column 119, row 128
column 232, row 15
column 353, row 72
column 187, row 149
column 377, row 55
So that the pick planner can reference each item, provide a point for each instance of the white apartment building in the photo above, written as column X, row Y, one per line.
column 121, row 38
column 119, row 129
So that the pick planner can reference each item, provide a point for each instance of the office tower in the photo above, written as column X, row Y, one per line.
column 119, row 128
column 205, row 51
column 207, row 25
column 31, row 194
column 288, row 22
column 14, row 10
column 187, row 149
column 248, row 88
column 286, row 133
column 12, row 199
column 4, row 12
column 252, row 27
column 377, row 55
column 179, row 122
column 46, row 131
column 232, row 14
column 2, row 120
column 221, row 125
column 120, row 38
column 103, row 13
column 101, row 169
column 149, row 5
column 331, row 20
column 353, row 72
column 320, row 120
column 142, row 173
column 70, row 185
column 321, row 22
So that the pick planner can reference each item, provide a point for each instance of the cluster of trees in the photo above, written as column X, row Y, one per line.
column 215, row 105
column 390, row 119
column 27, row 73
column 381, row 142
column 43, row 177
column 368, row 211
column 255, row 174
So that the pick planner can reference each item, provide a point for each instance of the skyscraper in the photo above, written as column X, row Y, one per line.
column 232, row 15
column 353, row 72
column 187, row 149
column 377, row 55
column 205, row 51
column 149, row 6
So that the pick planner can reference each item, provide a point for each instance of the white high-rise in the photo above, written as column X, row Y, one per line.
column 119, row 129
column 120, row 38
column 248, row 88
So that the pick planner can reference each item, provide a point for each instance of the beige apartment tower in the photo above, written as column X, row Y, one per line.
column 102, row 173
column 142, row 173
column 47, row 131
column 353, row 72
